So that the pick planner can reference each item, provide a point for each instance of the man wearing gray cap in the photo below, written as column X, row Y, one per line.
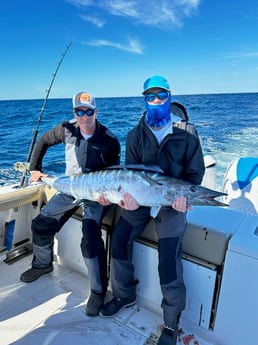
column 89, row 146
column 163, row 137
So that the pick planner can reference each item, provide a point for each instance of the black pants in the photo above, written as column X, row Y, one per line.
column 50, row 221
column 170, row 226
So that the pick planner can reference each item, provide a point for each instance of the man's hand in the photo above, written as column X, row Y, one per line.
column 36, row 175
column 128, row 203
column 180, row 204
column 103, row 201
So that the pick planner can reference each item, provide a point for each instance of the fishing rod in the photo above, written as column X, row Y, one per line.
column 32, row 144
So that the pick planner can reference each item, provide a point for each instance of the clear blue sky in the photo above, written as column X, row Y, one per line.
column 201, row 46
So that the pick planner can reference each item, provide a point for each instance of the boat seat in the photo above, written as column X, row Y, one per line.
column 200, row 241
column 110, row 219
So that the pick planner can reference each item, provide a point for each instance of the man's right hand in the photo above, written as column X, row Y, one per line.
column 103, row 201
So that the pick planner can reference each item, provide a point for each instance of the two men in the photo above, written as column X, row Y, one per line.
column 160, row 138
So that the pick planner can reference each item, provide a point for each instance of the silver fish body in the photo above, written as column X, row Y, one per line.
column 148, row 188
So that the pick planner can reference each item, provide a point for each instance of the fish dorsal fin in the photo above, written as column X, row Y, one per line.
column 138, row 167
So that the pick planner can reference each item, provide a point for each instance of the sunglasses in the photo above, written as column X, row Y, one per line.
column 88, row 112
column 149, row 97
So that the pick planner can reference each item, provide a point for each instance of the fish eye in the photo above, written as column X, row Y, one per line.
column 192, row 189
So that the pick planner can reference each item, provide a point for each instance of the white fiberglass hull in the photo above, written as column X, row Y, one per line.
column 220, row 268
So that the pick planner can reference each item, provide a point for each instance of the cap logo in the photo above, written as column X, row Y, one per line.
column 84, row 97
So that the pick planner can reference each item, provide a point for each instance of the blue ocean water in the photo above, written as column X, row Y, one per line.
column 227, row 125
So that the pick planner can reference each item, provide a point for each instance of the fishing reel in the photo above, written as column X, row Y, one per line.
column 22, row 166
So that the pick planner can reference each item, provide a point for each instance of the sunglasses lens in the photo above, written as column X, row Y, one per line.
column 150, row 97
column 79, row 112
column 162, row 95
column 89, row 112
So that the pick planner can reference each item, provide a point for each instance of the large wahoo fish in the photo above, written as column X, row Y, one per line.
column 149, row 188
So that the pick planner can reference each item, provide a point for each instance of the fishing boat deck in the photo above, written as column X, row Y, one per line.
column 51, row 310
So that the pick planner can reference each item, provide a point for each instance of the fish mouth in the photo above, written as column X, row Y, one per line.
column 211, row 199
column 213, row 202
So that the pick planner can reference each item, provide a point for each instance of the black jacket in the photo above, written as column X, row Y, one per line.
column 178, row 155
column 96, row 153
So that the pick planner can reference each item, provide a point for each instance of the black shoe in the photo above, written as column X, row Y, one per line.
column 34, row 273
column 94, row 304
column 168, row 336
column 116, row 305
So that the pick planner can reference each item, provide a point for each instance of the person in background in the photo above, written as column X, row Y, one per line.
column 161, row 138
column 89, row 146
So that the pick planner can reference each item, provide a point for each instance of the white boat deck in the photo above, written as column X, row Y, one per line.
column 51, row 310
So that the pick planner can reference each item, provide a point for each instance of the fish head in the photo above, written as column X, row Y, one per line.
column 198, row 195
column 195, row 194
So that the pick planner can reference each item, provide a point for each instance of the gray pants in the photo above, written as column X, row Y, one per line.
column 50, row 221
column 170, row 227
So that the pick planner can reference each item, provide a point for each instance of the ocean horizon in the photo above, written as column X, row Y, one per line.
column 227, row 124
column 139, row 96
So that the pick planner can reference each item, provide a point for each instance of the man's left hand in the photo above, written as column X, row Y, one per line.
column 180, row 204
column 128, row 203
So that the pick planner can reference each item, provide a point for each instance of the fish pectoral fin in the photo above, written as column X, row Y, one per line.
column 154, row 211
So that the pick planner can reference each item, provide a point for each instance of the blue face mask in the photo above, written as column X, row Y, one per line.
column 158, row 115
